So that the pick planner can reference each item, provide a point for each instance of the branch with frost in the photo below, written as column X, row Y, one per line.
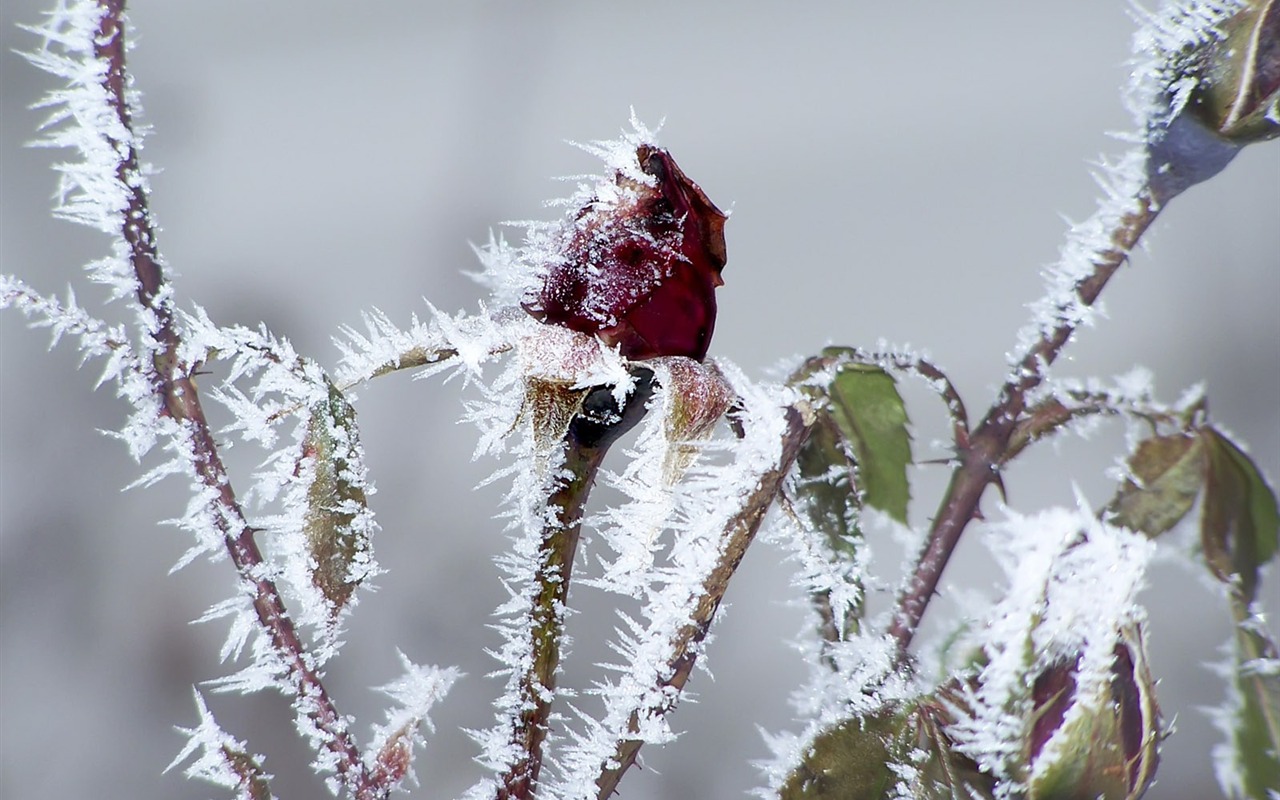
column 541, row 627
column 1067, row 404
column 1135, row 189
column 85, row 44
column 382, row 347
column 96, row 338
column 660, row 655
column 1110, row 234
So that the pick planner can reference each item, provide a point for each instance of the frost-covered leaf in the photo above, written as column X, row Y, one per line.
column 1240, row 525
column 849, row 761
column 930, row 767
column 1166, row 474
column 338, row 522
column 895, row 753
column 825, row 488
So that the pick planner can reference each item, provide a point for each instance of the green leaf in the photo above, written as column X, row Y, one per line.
column 1167, row 472
column 854, row 760
column 847, row 762
column 1240, row 527
column 870, row 414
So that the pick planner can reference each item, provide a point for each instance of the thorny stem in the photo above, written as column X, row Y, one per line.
column 174, row 389
column 558, row 547
column 1254, row 645
column 596, row 424
column 687, row 645
column 988, row 446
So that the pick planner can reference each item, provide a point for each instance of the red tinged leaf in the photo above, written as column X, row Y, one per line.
column 640, row 272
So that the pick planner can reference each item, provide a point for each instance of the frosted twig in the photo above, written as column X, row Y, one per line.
column 685, row 646
column 988, row 446
column 170, row 379
column 536, row 686
column 1094, row 251
column 1053, row 413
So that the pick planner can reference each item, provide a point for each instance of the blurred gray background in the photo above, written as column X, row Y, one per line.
column 896, row 171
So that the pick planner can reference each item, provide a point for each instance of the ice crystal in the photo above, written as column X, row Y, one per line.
column 415, row 693
column 221, row 759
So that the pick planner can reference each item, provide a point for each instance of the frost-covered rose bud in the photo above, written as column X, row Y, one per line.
column 1091, row 738
column 639, row 268
column 1230, row 83
column 1238, row 94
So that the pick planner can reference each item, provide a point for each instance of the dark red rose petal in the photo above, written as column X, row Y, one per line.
column 641, row 274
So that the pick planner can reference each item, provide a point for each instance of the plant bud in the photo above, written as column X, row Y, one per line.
column 1094, row 744
column 1238, row 94
column 640, row 269
column 696, row 397
column 1234, row 100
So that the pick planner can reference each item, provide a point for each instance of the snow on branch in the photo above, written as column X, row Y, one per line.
column 1160, row 85
column 85, row 43
column 1135, row 189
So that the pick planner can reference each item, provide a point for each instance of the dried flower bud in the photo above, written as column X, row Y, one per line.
column 640, row 272
column 1100, row 743
column 696, row 397
column 395, row 758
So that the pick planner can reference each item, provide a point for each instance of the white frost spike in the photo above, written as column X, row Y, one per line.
column 1073, row 585
column 223, row 760
column 415, row 692
column 83, row 117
